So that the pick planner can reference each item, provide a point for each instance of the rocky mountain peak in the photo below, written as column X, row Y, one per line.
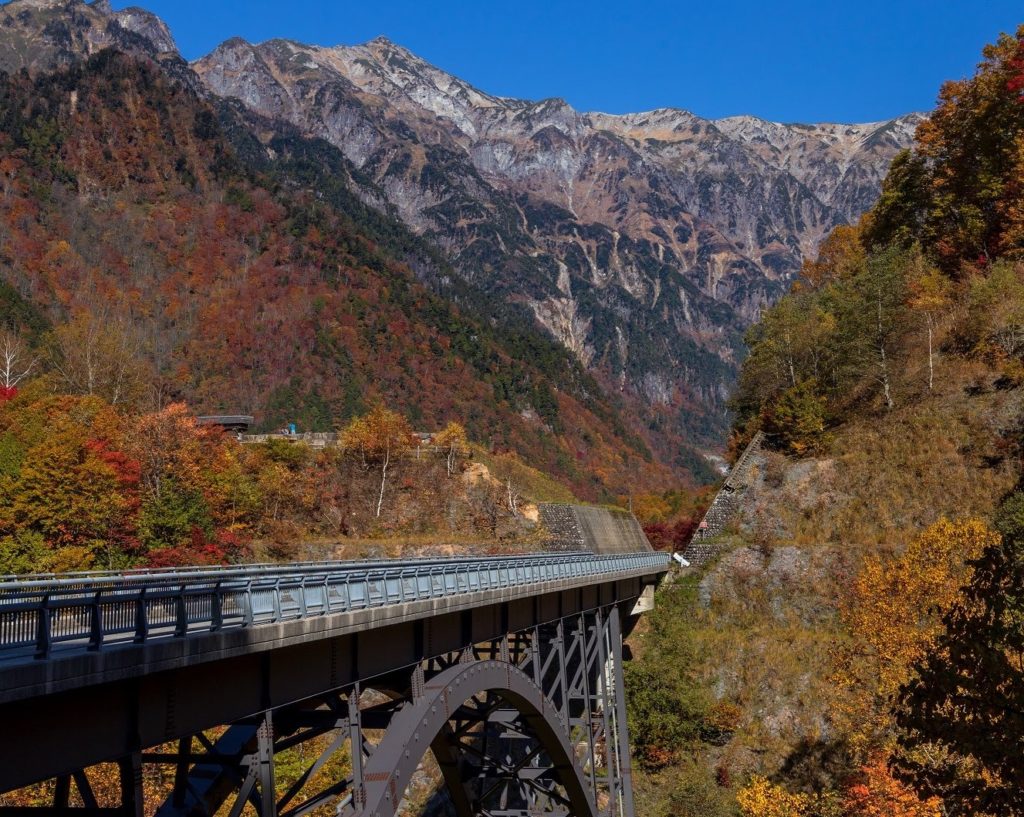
column 42, row 34
column 644, row 242
column 146, row 25
column 16, row 6
column 381, row 42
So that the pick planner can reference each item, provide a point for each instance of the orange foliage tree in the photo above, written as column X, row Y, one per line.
column 929, row 292
column 892, row 614
column 876, row 793
column 840, row 256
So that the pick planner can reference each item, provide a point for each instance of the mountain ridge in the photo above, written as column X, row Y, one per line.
column 264, row 286
column 643, row 243
column 603, row 214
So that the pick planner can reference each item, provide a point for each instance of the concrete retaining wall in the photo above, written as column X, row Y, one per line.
column 601, row 530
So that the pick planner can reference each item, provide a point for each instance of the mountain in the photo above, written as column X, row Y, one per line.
column 41, row 35
column 131, row 210
column 645, row 244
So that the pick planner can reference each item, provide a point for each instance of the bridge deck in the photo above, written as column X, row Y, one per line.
column 128, row 661
column 47, row 618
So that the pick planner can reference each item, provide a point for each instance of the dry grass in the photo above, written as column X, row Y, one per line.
column 533, row 484
column 888, row 475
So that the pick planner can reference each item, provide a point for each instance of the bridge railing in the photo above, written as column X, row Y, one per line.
column 39, row 616
column 93, row 578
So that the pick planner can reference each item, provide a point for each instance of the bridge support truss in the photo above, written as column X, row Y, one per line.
column 532, row 722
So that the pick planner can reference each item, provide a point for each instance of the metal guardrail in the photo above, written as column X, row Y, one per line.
column 41, row 615
column 95, row 578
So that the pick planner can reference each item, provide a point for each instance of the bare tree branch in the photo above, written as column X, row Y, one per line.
column 15, row 362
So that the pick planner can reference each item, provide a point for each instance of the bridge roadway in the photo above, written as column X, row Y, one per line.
column 249, row 661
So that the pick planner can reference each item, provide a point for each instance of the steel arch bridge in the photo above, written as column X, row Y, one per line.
column 508, row 671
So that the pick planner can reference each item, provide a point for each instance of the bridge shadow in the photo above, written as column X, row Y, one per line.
column 817, row 765
column 439, row 804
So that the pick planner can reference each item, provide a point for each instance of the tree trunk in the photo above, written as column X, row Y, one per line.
column 789, row 360
column 383, row 480
column 931, row 359
column 883, row 360
column 513, row 498
column 889, row 404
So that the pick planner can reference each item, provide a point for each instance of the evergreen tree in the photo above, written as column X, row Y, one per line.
column 962, row 716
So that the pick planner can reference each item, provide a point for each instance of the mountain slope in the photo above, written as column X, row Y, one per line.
column 644, row 243
column 875, row 544
column 248, row 290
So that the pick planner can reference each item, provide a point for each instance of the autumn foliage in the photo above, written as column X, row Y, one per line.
column 871, row 792
column 150, row 265
column 762, row 798
column 892, row 614
column 83, row 486
column 960, row 191
column 876, row 793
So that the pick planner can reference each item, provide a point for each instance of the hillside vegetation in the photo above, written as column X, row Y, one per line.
column 857, row 649
column 137, row 224
column 83, row 485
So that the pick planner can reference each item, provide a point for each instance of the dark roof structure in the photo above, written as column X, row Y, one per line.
column 230, row 422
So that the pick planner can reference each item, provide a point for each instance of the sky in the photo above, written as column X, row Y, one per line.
column 785, row 60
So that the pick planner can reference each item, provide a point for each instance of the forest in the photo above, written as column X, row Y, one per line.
column 140, row 219
column 84, row 485
column 864, row 623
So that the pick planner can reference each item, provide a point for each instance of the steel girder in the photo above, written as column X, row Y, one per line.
column 531, row 723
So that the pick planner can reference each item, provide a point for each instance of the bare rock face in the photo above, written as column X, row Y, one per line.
column 146, row 25
column 645, row 243
column 40, row 35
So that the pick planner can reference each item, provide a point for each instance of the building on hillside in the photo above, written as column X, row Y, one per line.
column 238, row 423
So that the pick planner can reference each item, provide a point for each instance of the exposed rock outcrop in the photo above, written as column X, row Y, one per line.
column 645, row 243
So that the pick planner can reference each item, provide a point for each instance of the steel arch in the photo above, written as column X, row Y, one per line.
column 420, row 722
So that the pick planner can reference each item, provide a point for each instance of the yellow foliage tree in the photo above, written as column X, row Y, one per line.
column 377, row 438
column 892, row 614
column 97, row 354
column 762, row 798
column 929, row 293
column 651, row 508
column 452, row 438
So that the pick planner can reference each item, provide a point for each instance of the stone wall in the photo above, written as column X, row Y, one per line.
column 599, row 530
column 314, row 439
column 705, row 544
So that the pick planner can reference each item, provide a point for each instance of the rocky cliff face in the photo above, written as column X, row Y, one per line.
column 645, row 243
column 43, row 34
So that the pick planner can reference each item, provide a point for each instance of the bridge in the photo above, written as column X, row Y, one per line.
column 508, row 670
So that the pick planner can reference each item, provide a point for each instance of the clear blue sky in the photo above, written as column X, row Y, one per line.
column 787, row 60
